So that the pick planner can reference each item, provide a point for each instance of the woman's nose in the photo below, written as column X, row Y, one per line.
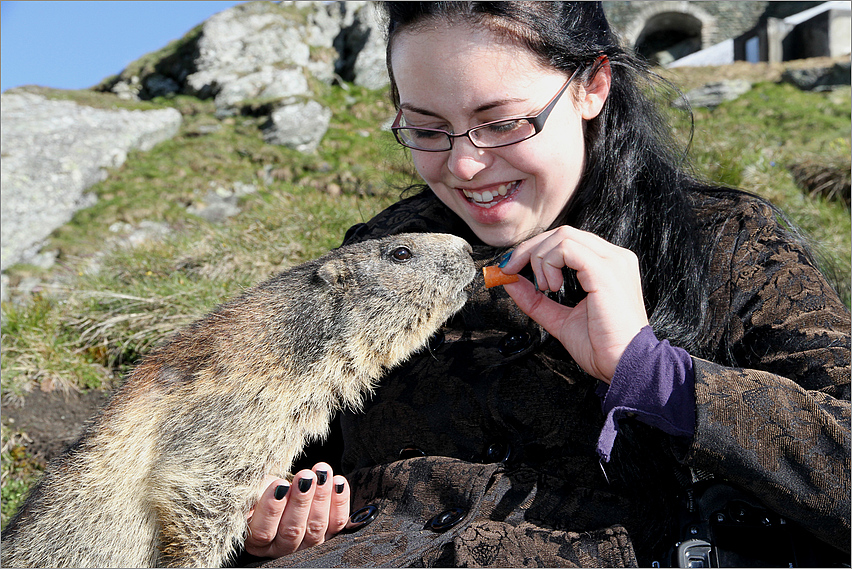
column 465, row 160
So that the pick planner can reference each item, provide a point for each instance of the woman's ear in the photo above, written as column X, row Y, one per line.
column 593, row 95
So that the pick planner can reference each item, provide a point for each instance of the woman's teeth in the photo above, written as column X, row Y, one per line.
column 485, row 199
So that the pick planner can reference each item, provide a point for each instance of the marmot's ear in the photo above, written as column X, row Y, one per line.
column 334, row 272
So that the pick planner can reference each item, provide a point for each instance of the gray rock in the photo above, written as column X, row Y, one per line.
column 52, row 152
column 147, row 231
column 361, row 48
column 128, row 90
column 370, row 65
column 220, row 203
column 242, row 41
column 267, row 83
column 45, row 259
column 214, row 208
column 819, row 78
column 714, row 94
column 300, row 126
column 265, row 50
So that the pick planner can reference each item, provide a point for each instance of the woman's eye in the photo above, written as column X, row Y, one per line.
column 424, row 134
column 507, row 126
column 401, row 254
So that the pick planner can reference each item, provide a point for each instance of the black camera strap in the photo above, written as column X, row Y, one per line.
column 724, row 526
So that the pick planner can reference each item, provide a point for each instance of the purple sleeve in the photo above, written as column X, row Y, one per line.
column 653, row 381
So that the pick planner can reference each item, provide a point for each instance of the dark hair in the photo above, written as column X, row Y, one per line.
column 634, row 191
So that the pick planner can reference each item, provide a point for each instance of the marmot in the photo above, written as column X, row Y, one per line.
column 165, row 474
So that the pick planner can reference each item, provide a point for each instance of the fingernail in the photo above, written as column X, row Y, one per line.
column 504, row 259
column 322, row 476
column 281, row 491
column 305, row 484
column 535, row 282
column 339, row 488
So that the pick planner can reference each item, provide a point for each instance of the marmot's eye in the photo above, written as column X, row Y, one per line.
column 401, row 254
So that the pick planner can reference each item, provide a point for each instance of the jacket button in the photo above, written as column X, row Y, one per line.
column 497, row 452
column 446, row 520
column 433, row 343
column 411, row 452
column 361, row 517
column 514, row 343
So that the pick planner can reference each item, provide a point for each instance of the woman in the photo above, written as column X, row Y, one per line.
column 672, row 354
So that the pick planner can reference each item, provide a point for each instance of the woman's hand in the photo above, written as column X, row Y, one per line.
column 314, row 508
column 597, row 330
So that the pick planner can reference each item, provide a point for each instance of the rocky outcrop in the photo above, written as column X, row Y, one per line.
column 267, row 52
column 52, row 152
column 264, row 50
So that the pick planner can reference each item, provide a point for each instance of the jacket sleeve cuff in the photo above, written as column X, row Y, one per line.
column 655, row 382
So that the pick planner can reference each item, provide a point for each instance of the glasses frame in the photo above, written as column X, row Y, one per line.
column 537, row 121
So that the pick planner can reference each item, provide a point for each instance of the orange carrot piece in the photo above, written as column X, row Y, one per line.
column 494, row 276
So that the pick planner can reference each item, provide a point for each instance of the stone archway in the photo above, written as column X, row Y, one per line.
column 669, row 36
column 665, row 31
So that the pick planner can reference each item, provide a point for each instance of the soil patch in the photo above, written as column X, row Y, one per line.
column 52, row 420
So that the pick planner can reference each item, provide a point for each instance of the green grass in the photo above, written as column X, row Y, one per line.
column 37, row 347
column 752, row 142
column 88, row 98
column 20, row 471
column 113, row 303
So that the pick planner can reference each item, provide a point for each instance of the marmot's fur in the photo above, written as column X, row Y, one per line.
column 167, row 472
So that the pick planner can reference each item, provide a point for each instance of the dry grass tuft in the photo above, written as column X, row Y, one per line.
column 828, row 178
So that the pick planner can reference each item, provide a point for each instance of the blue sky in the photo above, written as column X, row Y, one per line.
column 73, row 45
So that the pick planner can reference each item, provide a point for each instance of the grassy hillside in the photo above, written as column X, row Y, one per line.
column 102, row 305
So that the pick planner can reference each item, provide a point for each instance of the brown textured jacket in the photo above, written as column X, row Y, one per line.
column 480, row 451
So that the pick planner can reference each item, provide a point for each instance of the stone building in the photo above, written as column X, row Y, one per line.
column 667, row 31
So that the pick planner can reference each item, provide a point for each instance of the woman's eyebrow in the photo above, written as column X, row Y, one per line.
column 418, row 110
column 480, row 109
column 498, row 103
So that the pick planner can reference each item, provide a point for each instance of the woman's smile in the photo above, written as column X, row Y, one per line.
column 490, row 196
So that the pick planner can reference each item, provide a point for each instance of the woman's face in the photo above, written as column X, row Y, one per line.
column 455, row 77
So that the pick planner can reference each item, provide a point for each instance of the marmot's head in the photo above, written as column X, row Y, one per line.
column 398, row 290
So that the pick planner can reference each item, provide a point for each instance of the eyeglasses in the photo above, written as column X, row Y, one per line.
column 492, row 134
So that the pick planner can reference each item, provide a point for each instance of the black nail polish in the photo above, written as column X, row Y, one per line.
column 281, row 491
column 338, row 488
column 322, row 476
column 305, row 484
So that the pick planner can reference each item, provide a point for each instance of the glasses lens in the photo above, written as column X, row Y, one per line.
column 423, row 139
column 503, row 132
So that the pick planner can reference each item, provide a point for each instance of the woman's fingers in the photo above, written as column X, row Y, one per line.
column 292, row 528
column 292, row 516
column 339, row 513
column 320, row 506
column 600, row 327
column 547, row 253
column 536, row 305
column 266, row 515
